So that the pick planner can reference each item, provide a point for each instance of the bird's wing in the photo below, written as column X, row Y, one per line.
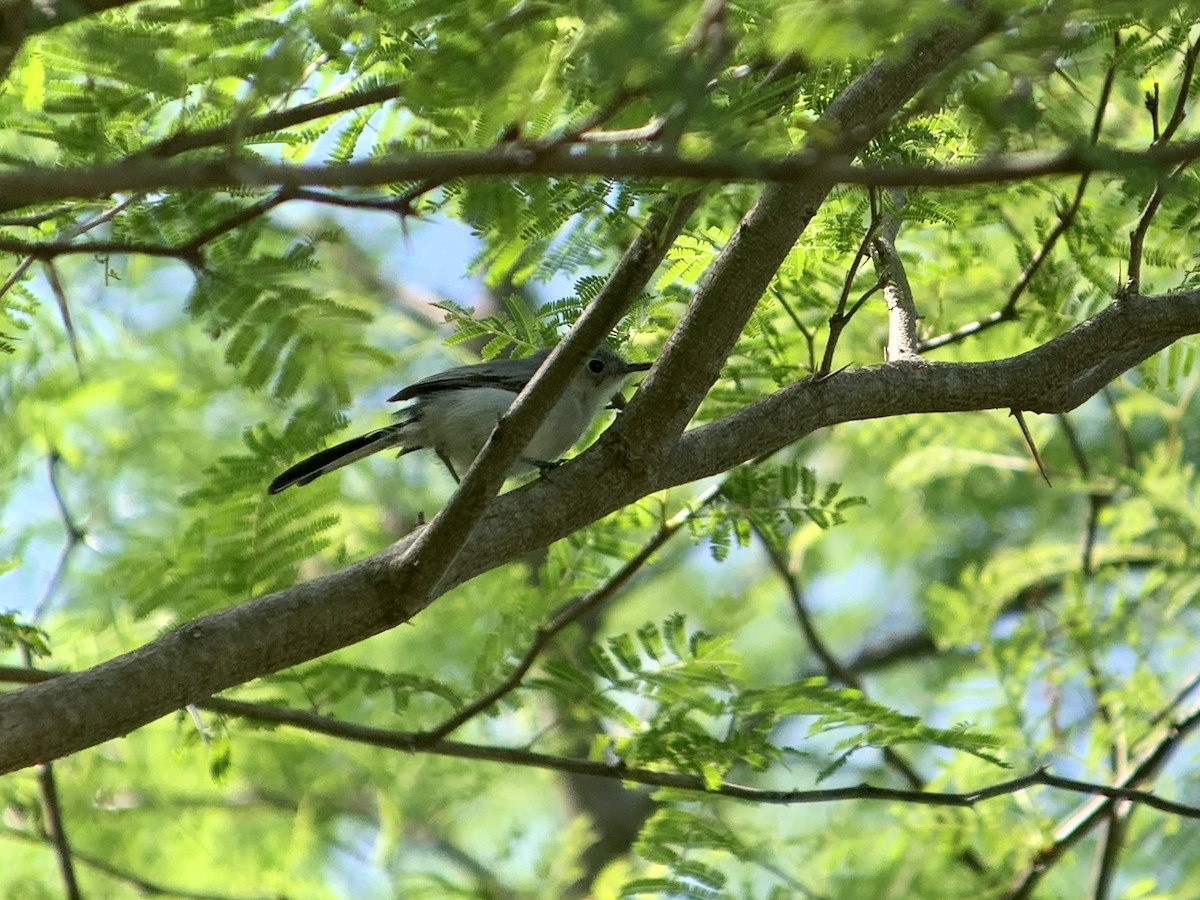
column 509, row 374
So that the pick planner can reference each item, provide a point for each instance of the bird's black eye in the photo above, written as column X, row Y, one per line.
column 596, row 365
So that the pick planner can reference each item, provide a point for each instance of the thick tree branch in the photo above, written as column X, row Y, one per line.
column 1054, row 377
column 902, row 310
column 215, row 652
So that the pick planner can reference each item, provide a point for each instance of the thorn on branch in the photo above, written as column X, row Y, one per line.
column 1037, row 457
column 64, row 310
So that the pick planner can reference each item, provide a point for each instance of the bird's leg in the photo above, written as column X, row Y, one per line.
column 544, row 467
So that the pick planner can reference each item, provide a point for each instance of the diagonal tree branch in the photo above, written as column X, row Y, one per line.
column 435, row 548
column 737, row 280
column 252, row 126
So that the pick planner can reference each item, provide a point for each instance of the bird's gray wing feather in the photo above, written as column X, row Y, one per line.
column 509, row 374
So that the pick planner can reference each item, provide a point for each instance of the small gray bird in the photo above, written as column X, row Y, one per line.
column 456, row 410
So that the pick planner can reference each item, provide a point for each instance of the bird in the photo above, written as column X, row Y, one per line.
column 455, row 411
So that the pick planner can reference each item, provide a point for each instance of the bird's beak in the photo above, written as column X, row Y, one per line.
column 618, row 399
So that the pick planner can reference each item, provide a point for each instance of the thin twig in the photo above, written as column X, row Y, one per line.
column 1095, row 811
column 1108, row 853
column 963, row 331
column 1116, row 825
column 36, row 218
column 139, row 884
column 1189, row 685
column 48, row 250
column 69, row 234
column 64, row 311
column 489, row 886
column 571, row 613
column 1128, row 454
column 1097, row 501
column 74, row 535
column 806, row 332
column 1179, row 113
column 588, row 131
column 835, row 670
column 17, row 274
column 840, row 317
column 56, row 831
column 380, row 204
column 188, row 251
column 920, row 644
column 832, row 665
column 1137, row 237
column 247, row 214
column 411, row 742
column 1075, row 446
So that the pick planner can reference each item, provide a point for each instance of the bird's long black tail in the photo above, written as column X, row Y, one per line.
column 337, row 456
